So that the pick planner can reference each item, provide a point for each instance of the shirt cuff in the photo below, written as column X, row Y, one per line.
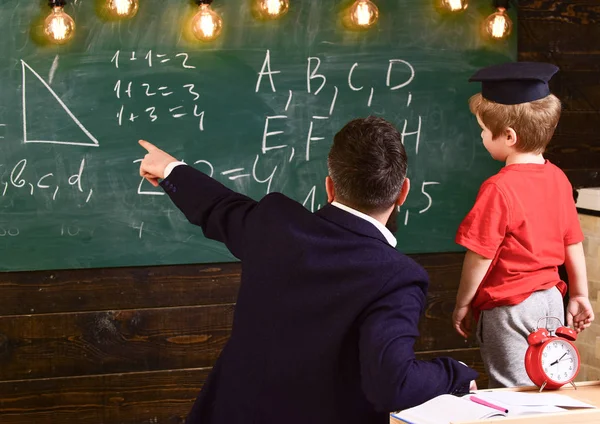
column 170, row 167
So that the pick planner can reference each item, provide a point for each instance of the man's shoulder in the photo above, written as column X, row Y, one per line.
column 405, row 267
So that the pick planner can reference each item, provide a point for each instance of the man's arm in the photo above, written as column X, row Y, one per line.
column 579, row 310
column 393, row 378
column 474, row 269
column 221, row 212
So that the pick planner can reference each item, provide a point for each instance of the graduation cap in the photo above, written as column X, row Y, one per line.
column 515, row 82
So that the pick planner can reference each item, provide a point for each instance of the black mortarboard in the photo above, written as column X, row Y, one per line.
column 515, row 82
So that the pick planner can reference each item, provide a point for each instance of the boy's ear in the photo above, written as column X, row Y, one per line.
column 511, row 137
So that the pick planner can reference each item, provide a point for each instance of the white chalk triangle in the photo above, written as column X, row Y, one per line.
column 93, row 142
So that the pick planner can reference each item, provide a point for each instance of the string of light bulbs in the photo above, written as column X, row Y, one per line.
column 207, row 24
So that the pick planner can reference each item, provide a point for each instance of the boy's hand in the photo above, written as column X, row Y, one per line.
column 154, row 163
column 461, row 320
column 579, row 313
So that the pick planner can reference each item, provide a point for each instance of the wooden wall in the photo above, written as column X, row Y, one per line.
column 134, row 345
column 567, row 33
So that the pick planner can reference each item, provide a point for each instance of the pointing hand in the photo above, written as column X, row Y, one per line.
column 154, row 163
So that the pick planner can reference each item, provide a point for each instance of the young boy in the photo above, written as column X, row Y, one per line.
column 522, row 227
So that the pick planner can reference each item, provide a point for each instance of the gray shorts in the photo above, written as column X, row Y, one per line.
column 502, row 335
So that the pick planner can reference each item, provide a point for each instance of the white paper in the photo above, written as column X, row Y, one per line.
column 446, row 408
column 515, row 411
column 534, row 399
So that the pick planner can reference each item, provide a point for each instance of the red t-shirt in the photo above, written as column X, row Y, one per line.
column 523, row 218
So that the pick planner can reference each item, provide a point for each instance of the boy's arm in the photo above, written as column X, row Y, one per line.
column 475, row 267
column 579, row 310
column 481, row 233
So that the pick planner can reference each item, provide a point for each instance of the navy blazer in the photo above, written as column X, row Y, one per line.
column 326, row 315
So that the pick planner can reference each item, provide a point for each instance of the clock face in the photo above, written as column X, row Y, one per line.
column 559, row 361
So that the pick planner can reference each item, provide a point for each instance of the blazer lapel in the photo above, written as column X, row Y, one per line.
column 350, row 222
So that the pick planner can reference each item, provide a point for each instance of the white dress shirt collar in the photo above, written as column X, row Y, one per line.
column 386, row 233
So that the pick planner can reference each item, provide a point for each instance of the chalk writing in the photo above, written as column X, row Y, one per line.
column 10, row 231
column 25, row 67
column 141, row 98
column 429, row 198
column 182, row 57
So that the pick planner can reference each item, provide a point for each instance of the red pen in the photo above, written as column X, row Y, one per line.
column 486, row 403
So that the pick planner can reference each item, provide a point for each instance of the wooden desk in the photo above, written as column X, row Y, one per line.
column 588, row 392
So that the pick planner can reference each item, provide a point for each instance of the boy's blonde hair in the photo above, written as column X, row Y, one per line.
column 534, row 122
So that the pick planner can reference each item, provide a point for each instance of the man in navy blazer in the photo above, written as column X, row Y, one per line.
column 328, row 310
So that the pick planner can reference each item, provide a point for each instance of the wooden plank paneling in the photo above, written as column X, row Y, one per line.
column 578, row 90
column 135, row 398
column 550, row 26
column 576, row 125
column 584, row 177
column 575, row 147
column 58, row 345
column 86, row 343
column 41, row 292
column 118, row 288
column 576, row 12
column 568, row 35
column 163, row 397
column 443, row 269
column 576, row 154
column 435, row 328
column 567, row 61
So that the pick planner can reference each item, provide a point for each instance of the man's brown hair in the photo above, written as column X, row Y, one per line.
column 367, row 164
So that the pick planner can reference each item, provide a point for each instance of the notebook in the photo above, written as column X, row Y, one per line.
column 446, row 408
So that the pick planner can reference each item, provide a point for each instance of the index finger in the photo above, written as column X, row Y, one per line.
column 147, row 145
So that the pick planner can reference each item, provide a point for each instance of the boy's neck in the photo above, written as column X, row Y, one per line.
column 518, row 157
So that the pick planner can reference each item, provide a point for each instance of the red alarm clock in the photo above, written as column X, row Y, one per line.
column 552, row 360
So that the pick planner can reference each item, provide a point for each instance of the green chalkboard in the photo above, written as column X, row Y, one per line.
column 71, row 115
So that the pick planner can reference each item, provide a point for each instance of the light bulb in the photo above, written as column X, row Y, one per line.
column 206, row 24
column 498, row 25
column 363, row 13
column 122, row 8
column 58, row 26
column 455, row 5
column 272, row 9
